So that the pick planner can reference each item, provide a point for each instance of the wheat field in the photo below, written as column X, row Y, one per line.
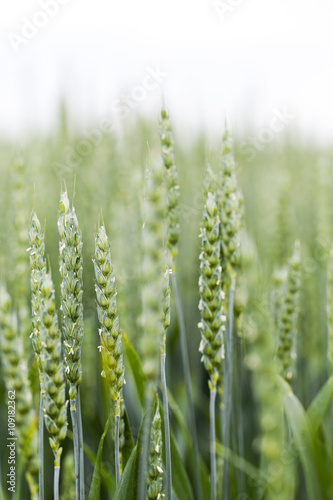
column 166, row 317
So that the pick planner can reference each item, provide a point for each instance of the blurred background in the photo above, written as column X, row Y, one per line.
column 239, row 59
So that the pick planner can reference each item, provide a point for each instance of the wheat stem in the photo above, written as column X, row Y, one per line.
column 166, row 430
column 212, row 398
column 41, row 447
column 116, row 448
column 81, row 452
column 76, row 445
column 56, row 482
column 71, row 271
column 186, row 369
column 228, row 387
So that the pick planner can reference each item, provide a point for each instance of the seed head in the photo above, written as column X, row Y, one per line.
column 172, row 208
column 110, row 335
column 230, row 203
column 155, row 466
column 211, row 297
column 289, row 317
column 54, row 397
column 152, row 270
column 71, row 270
column 38, row 270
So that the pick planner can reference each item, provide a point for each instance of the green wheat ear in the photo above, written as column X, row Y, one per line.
column 230, row 204
column 211, row 296
column 71, row 270
column 71, row 288
column 289, row 317
column 166, row 313
column 110, row 334
column 38, row 271
column 54, row 396
column 110, row 337
column 155, row 466
column 279, row 280
column 172, row 208
column 152, row 270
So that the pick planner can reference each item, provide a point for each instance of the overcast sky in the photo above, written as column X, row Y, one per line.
column 247, row 60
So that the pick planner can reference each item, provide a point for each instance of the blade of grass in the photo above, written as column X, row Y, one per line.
column 126, row 488
column 95, row 487
column 108, row 480
column 304, row 441
column 140, row 378
column 182, row 487
column 129, row 442
column 187, row 437
column 320, row 404
column 181, row 484
column 144, row 447
column 239, row 462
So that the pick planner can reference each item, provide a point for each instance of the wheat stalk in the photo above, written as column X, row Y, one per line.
column 71, row 270
column 38, row 270
column 110, row 335
column 152, row 265
column 230, row 205
column 211, row 307
column 173, row 231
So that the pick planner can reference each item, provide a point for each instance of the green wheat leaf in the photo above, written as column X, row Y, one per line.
column 95, row 488
column 320, row 404
column 140, row 378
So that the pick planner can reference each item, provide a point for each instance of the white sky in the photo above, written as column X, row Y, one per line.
column 261, row 56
